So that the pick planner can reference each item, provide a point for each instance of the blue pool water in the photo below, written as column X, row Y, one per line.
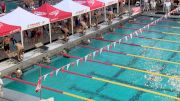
column 101, row 91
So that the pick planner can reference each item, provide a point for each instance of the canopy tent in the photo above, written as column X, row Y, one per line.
column 24, row 19
column 73, row 7
column 93, row 4
column 54, row 14
column 6, row 29
column 109, row 2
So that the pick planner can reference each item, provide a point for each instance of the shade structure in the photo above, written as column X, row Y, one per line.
column 24, row 19
column 6, row 29
column 109, row 2
column 93, row 4
column 54, row 14
column 73, row 7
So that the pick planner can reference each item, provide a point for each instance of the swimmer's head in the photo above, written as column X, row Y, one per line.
column 152, row 18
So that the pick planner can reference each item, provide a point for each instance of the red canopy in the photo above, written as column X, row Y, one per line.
column 54, row 14
column 6, row 29
column 93, row 4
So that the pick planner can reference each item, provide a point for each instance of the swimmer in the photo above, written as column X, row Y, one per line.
column 86, row 42
column 99, row 36
column 46, row 59
column 64, row 53
column 18, row 73
column 152, row 18
column 132, row 20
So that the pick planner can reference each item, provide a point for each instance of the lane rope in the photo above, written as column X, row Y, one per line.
column 136, row 45
column 168, row 33
column 124, row 85
column 50, row 89
column 137, row 56
column 129, row 68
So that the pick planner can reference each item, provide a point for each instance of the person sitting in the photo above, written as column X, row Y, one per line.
column 18, row 73
column 20, row 51
column 86, row 42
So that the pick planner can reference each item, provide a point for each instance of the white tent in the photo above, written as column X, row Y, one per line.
column 108, row 3
column 25, row 19
column 73, row 7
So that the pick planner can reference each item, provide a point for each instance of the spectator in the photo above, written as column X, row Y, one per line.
column 3, row 7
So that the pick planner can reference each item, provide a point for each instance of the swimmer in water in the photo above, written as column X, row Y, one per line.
column 99, row 36
column 132, row 20
column 86, row 42
column 18, row 73
column 64, row 53
column 46, row 60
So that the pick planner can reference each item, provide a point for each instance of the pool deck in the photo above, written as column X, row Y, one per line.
column 11, row 95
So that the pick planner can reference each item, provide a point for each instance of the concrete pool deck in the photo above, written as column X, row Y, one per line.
column 11, row 95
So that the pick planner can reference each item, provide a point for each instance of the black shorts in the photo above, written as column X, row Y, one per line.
column 6, row 47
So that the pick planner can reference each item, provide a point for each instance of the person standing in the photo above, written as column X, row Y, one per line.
column 20, row 51
column 3, row 7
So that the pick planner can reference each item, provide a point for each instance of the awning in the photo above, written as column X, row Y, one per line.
column 93, row 4
column 23, row 18
column 109, row 2
column 6, row 29
column 54, row 14
column 73, row 7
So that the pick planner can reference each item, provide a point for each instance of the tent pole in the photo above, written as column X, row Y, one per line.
column 72, row 25
column 90, row 19
column 105, row 13
column 22, row 40
column 118, row 7
column 50, row 36
column 129, row 3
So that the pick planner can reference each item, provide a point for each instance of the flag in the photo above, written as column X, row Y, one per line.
column 131, row 36
column 38, row 87
column 77, row 61
column 45, row 76
column 94, row 53
column 57, row 71
column 119, row 41
column 101, row 50
column 72, row 64
column 126, row 38
column 51, row 74
column 67, row 66
column 85, row 58
column 114, row 43
column 108, row 47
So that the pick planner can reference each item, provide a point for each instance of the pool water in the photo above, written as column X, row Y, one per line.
column 101, row 91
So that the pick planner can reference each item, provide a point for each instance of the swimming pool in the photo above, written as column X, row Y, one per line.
column 102, row 91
